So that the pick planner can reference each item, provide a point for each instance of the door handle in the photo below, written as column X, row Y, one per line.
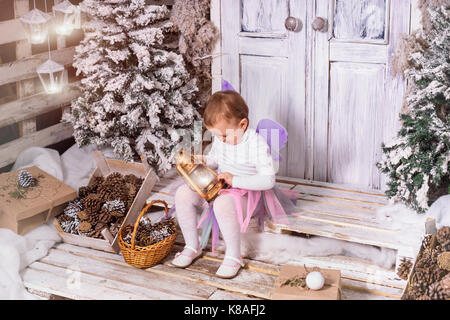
column 293, row 24
column 320, row 24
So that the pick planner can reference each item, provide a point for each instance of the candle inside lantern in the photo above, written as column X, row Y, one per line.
column 202, row 177
column 64, row 30
column 37, row 38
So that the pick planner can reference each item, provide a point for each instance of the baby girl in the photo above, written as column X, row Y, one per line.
column 243, row 160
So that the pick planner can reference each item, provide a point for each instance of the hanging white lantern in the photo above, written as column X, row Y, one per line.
column 51, row 75
column 67, row 17
column 36, row 23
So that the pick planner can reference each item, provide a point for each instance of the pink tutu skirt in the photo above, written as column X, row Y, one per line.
column 276, row 203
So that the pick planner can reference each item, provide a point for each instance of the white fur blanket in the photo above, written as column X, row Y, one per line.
column 17, row 252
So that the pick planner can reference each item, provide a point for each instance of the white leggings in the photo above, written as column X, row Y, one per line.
column 188, row 204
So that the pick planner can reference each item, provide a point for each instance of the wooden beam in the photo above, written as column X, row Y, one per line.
column 11, row 150
column 26, row 68
column 12, row 30
column 32, row 106
column 24, row 87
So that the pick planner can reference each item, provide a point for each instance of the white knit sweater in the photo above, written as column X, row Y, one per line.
column 249, row 161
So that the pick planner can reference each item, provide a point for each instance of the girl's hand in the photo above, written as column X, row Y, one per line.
column 198, row 158
column 226, row 176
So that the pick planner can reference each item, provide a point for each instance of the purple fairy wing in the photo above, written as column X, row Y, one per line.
column 226, row 86
column 275, row 135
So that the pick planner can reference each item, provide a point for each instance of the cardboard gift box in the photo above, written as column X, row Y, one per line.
column 330, row 291
column 23, row 209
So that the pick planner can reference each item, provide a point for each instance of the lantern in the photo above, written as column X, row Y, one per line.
column 67, row 17
column 51, row 75
column 199, row 176
column 36, row 24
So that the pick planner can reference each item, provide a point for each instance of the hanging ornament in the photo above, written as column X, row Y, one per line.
column 36, row 23
column 51, row 75
column 67, row 17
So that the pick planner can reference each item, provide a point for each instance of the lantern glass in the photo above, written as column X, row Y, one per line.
column 67, row 18
column 51, row 75
column 36, row 23
column 202, row 177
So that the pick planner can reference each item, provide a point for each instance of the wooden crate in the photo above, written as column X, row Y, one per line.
column 104, row 168
column 430, row 230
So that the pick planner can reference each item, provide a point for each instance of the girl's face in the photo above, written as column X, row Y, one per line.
column 230, row 132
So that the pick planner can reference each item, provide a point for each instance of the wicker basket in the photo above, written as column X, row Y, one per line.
column 145, row 257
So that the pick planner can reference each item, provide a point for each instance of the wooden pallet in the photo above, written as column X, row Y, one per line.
column 81, row 273
column 334, row 211
column 328, row 210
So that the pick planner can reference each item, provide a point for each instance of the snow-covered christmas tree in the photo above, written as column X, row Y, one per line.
column 136, row 90
column 417, row 160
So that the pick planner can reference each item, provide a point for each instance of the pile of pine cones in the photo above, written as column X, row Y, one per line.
column 430, row 279
column 101, row 205
column 148, row 233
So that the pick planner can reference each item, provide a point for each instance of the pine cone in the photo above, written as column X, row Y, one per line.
column 443, row 235
column 444, row 247
column 105, row 217
column 92, row 203
column 63, row 218
column 131, row 178
column 70, row 226
column 93, row 218
column 147, row 241
column 73, row 207
column 426, row 260
column 404, row 268
column 83, row 215
column 436, row 291
column 25, row 179
column 100, row 226
column 444, row 260
column 84, row 227
column 115, row 206
column 83, row 192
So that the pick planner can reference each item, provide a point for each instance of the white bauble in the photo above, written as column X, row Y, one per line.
column 315, row 280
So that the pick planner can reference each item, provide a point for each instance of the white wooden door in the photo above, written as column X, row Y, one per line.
column 265, row 62
column 332, row 87
column 358, row 107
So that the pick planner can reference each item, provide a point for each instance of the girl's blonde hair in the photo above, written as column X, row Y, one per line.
column 225, row 104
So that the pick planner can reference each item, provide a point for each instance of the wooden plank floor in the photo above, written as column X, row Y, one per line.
column 324, row 209
column 80, row 273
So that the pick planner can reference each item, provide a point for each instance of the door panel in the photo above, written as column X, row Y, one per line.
column 352, row 125
column 264, row 15
column 360, row 20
